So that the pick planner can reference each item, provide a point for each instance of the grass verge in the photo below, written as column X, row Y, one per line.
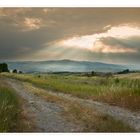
column 8, row 110
column 12, row 118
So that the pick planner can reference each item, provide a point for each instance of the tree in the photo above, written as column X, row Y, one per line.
column 124, row 71
column 14, row 71
column 4, row 67
column 20, row 72
column 93, row 73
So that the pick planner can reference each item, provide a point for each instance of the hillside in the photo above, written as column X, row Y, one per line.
column 64, row 65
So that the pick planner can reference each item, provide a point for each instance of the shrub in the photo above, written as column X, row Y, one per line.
column 14, row 71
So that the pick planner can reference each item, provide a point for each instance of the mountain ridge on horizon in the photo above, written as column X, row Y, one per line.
column 64, row 65
column 55, row 60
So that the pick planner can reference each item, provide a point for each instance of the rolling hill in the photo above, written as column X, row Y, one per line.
column 64, row 65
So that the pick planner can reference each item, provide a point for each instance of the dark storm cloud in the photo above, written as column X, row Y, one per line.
column 24, row 31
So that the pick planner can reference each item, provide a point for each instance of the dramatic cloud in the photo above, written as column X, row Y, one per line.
column 96, row 34
column 96, row 42
column 32, row 23
column 100, row 47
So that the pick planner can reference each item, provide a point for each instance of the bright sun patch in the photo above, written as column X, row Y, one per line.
column 90, row 41
column 81, row 42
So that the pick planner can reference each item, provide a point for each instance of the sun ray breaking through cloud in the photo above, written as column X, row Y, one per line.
column 93, row 42
column 93, row 34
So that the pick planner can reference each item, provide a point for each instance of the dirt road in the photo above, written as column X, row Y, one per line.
column 46, row 115
column 48, row 118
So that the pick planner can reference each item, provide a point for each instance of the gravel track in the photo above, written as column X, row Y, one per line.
column 48, row 114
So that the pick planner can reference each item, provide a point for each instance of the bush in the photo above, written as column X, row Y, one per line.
column 20, row 72
column 117, row 80
column 14, row 71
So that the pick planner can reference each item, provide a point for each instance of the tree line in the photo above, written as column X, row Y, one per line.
column 4, row 68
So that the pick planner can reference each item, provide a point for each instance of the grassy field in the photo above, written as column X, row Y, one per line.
column 90, row 119
column 120, row 90
column 11, row 117
column 8, row 109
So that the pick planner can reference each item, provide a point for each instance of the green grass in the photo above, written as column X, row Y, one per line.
column 8, row 110
column 117, row 90
column 12, row 117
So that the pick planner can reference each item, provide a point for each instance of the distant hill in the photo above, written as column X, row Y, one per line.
column 64, row 65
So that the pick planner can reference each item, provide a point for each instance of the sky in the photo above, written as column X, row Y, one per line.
column 110, row 35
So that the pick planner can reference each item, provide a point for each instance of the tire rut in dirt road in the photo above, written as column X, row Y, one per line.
column 47, row 115
column 119, row 113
